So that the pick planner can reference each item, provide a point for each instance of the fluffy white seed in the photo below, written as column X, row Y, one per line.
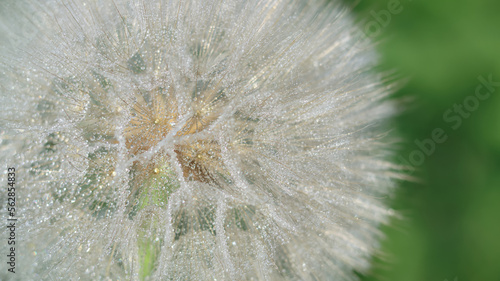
column 192, row 140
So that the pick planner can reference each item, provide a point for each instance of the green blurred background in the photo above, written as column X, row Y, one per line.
column 451, row 225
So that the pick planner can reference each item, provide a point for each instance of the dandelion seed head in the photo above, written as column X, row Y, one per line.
column 193, row 140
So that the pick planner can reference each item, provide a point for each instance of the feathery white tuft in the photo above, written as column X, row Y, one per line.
column 192, row 140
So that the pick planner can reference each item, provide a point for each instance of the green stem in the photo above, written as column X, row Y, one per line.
column 159, row 188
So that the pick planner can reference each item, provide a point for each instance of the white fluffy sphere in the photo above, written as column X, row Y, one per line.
column 192, row 140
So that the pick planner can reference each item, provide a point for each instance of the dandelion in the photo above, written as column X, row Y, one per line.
column 192, row 140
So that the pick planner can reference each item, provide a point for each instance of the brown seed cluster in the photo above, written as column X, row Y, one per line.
column 154, row 115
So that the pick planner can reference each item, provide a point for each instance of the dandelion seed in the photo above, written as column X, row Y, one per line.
column 192, row 140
